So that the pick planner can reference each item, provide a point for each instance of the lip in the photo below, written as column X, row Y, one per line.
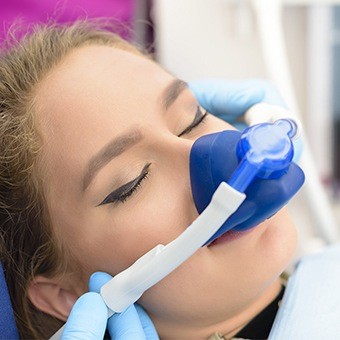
column 229, row 236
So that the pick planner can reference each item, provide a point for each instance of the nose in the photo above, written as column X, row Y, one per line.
column 174, row 159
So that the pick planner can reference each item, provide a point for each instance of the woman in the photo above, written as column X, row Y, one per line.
column 95, row 141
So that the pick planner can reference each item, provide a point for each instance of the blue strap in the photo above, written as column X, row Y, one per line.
column 8, row 329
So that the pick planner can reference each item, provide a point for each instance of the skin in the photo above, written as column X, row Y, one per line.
column 98, row 93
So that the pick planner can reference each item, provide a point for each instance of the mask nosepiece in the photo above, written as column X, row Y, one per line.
column 264, row 151
column 257, row 162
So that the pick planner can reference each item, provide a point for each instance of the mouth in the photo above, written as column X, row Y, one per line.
column 236, row 234
column 229, row 236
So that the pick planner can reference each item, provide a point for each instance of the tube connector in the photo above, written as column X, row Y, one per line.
column 268, row 113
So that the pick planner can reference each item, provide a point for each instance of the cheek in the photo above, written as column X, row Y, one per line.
column 160, row 221
column 280, row 240
column 124, row 234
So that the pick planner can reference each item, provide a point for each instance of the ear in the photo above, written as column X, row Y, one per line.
column 52, row 297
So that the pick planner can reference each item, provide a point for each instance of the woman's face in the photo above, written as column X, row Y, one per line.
column 117, row 132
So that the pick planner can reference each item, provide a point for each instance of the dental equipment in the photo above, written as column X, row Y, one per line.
column 262, row 178
column 269, row 190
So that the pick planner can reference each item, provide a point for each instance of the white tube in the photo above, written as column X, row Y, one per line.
column 127, row 287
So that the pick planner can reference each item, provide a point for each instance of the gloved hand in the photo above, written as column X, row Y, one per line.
column 229, row 100
column 88, row 318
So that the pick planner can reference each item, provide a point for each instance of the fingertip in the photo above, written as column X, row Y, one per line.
column 271, row 93
column 194, row 84
column 251, row 96
column 125, row 325
column 87, row 319
column 147, row 324
column 89, row 298
column 97, row 280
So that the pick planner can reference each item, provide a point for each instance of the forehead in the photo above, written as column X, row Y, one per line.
column 92, row 77
column 96, row 84
column 97, row 92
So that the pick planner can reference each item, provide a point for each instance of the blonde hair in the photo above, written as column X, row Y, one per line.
column 28, row 246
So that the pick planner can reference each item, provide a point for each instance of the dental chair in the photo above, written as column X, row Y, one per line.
column 8, row 328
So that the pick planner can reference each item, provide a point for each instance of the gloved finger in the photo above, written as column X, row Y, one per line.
column 126, row 322
column 271, row 92
column 227, row 99
column 148, row 326
column 126, row 325
column 97, row 280
column 87, row 320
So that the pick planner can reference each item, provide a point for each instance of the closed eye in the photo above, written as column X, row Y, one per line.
column 199, row 118
column 121, row 194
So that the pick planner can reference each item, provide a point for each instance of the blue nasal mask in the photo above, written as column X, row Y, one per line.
column 238, row 180
column 257, row 162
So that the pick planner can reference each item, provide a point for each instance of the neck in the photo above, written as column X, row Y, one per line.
column 229, row 327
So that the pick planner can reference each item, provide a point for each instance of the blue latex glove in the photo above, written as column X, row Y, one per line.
column 88, row 318
column 229, row 100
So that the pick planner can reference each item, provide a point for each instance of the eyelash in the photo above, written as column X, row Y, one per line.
column 116, row 197
column 123, row 197
column 193, row 125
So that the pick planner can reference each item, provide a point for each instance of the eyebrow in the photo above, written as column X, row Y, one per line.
column 111, row 150
column 172, row 91
column 122, row 143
